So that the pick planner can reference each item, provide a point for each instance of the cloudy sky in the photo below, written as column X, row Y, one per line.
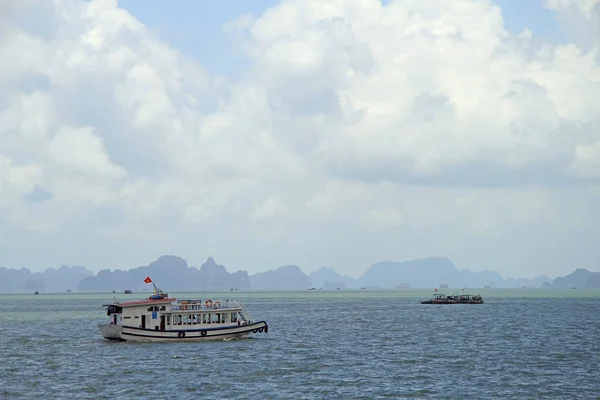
column 308, row 132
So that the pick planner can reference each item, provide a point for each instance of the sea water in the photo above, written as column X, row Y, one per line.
column 525, row 344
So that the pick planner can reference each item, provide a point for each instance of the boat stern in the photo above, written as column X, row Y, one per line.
column 110, row 331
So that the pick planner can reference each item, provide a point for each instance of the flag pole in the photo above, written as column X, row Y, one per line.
column 151, row 281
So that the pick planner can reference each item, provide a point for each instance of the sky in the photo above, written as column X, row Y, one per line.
column 307, row 132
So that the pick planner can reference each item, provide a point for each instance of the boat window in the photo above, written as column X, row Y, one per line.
column 208, row 317
column 150, row 308
column 163, row 308
column 225, row 317
column 233, row 317
column 168, row 320
column 176, row 319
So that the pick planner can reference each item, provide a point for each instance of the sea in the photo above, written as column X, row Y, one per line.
column 346, row 344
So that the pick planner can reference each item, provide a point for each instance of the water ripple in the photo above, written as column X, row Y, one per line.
column 355, row 347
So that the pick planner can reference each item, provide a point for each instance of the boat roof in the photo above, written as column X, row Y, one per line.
column 144, row 302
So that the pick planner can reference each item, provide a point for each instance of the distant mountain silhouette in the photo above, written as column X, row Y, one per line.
column 51, row 280
column 581, row 278
column 327, row 278
column 288, row 277
column 173, row 273
column 526, row 283
column 426, row 273
column 170, row 272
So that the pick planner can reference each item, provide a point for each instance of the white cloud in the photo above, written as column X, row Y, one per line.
column 81, row 151
column 587, row 7
column 356, row 124
column 587, row 161
column 580, row 20
column 441, row 86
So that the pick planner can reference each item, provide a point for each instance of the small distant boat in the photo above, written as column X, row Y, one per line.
column 161, row 318
column 127, row 291
column 439, row 298
column 36, row 292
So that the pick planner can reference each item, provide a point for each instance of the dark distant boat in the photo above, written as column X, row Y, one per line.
column 36, row 292
column 127, row 291
column 439, row 298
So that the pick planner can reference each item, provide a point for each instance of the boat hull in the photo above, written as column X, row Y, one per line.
column 110, row 331
column 132, row 334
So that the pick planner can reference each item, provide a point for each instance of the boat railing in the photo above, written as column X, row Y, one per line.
column 202, row 306
column 245, row 314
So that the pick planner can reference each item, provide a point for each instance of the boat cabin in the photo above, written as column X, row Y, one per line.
column 165, row 314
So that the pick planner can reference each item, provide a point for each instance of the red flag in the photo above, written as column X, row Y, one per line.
column 147, row 280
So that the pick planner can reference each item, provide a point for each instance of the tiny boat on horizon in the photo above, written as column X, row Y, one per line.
column 439, row 298
column 161, row 318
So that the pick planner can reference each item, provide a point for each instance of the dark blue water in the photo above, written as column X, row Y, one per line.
column 356, row 347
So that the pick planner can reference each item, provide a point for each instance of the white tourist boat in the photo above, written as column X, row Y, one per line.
column 160, row 318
